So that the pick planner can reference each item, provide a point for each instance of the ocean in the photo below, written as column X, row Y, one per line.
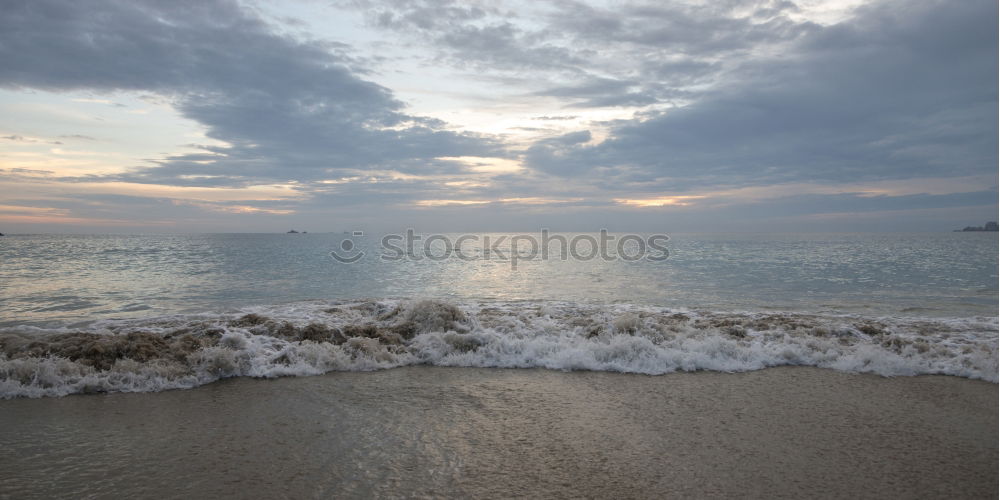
column 146, row 313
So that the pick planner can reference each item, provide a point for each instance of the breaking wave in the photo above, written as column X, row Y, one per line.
column 311, row 338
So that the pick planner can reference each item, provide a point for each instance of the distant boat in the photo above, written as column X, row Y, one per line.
column 293, row 232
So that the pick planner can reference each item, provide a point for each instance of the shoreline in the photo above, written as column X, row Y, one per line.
column 436, row 431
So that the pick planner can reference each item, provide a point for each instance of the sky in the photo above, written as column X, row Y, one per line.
column 438, row 115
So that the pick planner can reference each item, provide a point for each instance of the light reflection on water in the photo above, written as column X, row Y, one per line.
column 82, row 277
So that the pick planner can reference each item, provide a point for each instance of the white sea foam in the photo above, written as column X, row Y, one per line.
column 311, row 338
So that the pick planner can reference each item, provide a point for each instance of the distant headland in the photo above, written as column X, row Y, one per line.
column 989, row 226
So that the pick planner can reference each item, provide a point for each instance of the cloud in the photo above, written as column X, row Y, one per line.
column 897, row 91
column 708, row 28
column 556, row 118
column 633, row 54
column 486, row 35
column 287, row 109
column 602, row 92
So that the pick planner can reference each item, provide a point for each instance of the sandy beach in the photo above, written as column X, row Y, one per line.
column 458, row 432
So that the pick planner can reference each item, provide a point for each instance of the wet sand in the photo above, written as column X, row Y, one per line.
column 460, row 432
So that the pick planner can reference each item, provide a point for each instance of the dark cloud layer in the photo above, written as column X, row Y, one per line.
column 898, row 91
column 291, row 110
